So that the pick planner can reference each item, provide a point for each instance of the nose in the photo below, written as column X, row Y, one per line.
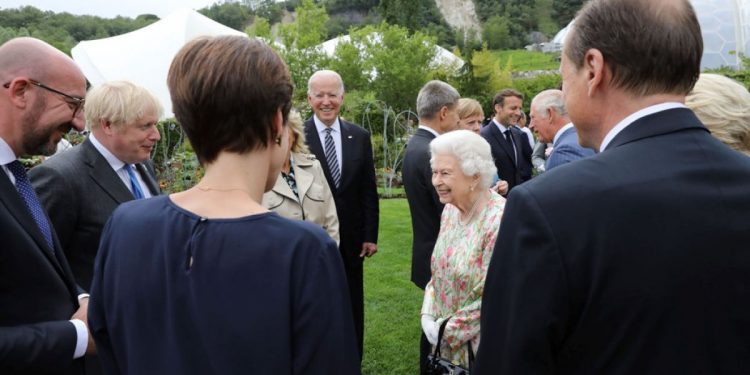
column 156, row 134
column 78, row 123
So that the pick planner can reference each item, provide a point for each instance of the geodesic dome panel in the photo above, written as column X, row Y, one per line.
column 725, row 28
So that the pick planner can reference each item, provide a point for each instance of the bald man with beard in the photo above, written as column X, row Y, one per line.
column 43, row 314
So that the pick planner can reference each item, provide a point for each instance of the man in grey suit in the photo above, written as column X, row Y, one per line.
column 81, row 187
column 549, row 119
column 43, row 314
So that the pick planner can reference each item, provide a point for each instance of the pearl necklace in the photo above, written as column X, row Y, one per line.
column 470, row 215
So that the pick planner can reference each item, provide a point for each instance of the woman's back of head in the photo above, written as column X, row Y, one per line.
column 225, row 93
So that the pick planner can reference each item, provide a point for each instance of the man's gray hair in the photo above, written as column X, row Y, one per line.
column 433, row 96
column 549, row 99
column 320, row 73
column 472, row 151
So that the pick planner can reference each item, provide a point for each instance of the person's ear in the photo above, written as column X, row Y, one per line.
column 17, row 90
column 278, row 126
column 593, row 62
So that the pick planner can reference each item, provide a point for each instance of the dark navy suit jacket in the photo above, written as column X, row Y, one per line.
column 632, row 261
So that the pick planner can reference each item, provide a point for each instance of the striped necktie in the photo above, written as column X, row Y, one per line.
column 333, row 161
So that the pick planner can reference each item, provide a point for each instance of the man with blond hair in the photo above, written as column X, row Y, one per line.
column 634, row 260
column 81, row 187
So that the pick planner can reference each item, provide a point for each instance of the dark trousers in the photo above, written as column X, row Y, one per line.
column 353, row 265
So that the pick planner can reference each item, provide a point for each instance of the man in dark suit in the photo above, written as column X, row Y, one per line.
column 634, row 260
column 43, row 325
column 550, row 121
column 436, row 107
column 510, row 146
column 81, row 187
column 345, row 153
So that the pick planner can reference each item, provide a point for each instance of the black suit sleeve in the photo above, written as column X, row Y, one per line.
column 47, row 347
column 369, row 194
column 59, row 200
column 525, row 304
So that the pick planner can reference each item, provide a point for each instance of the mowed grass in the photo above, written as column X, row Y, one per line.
column 392, row 301
column 523, row 60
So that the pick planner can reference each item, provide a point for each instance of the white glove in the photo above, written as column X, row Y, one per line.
column 430, row 328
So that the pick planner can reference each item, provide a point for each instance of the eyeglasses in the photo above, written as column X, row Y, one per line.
column 74, row 102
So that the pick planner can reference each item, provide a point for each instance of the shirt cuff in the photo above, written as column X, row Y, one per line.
column 82, row 342
column 82, row 296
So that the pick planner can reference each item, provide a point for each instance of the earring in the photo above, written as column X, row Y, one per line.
column 278, row 141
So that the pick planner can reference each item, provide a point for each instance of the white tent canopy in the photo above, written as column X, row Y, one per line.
column 143, row 56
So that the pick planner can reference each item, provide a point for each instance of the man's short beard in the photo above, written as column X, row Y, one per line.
column 37, row 140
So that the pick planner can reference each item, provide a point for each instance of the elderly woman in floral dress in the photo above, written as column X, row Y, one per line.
column 462, row 171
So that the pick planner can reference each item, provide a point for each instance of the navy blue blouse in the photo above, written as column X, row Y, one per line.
column 174, row 293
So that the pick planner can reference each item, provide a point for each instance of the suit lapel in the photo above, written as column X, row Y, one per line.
column 348, row 153
column 17, row 207
column 148, row 178
column 103, row 175
column 282, row 187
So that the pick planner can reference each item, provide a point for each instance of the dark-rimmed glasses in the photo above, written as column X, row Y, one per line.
column 74, row 102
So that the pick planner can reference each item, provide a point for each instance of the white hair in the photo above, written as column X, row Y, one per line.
column 471, row 150
column 325, row 73
column 549, row 99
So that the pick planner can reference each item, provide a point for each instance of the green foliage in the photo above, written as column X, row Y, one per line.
column 175, row 162
column 531, row 86
column 260, row 28
column 64, row 30
column 496, row 33
column 230, row 14
column 563, row 11
column 422, row 15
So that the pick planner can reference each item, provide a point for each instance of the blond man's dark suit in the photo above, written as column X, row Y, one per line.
column 80, row 190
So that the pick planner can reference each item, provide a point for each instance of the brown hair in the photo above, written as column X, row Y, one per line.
column 500, row 97
column 226, row 91
column 651, row 46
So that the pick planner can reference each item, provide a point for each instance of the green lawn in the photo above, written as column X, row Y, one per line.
column 392, row 301
column 525, row 61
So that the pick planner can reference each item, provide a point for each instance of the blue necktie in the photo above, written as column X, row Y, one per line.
column 134, row 185
column 332, row 159
column 32, row 201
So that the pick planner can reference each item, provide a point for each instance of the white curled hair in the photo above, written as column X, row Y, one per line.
column 471, row 150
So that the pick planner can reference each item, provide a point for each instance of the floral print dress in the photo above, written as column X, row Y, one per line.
column 459, row 265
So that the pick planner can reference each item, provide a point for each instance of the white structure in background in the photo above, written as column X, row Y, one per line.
column 443, row 57
column 143, row 56
column 725, row 25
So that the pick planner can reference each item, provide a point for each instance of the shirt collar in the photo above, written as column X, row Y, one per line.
column 636, row 116
column 321, row 127
column 113, row 161
column 500, row 126
column 6, row 153
column 561, row 131
column 429, row 129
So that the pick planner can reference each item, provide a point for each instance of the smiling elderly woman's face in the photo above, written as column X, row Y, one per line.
column 452, row 185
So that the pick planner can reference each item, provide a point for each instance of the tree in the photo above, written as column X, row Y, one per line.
column 234, row 15
column 496, row 33
column 260, row 28
column 563, row 11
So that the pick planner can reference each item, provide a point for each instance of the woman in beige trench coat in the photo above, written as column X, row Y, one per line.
column 312, row 201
